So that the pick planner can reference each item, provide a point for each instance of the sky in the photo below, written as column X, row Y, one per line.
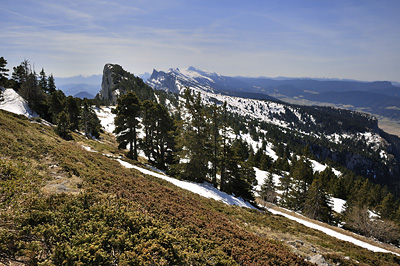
column 346, row 39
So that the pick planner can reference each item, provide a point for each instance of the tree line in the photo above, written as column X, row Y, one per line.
column 203, row 144
column 194, row 145
column 39, row 90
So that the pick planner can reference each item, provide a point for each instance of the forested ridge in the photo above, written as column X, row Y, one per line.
column 110, row 215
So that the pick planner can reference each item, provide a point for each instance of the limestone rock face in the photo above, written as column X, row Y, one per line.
column 107, row 93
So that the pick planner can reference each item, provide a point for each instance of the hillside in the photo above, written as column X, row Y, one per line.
column 83, row 201
column 63, row 204
column 349, row 138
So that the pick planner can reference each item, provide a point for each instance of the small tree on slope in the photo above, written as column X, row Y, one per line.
column 126, row 122
column 316, row 205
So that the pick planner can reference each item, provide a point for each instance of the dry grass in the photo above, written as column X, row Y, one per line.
column 389, row 126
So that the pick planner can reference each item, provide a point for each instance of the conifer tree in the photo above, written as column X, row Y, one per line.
column 216, row 139
column 126, row 122
column 224, row 147
column 20, row 74
column 158, row 126
column 268, row 193
column 164, row 137
column 194, row 140
column 3, row 72
column 89, row 120
column 302, row 176
column 265, row 162
column 327, row 177
column 51, row 85
column 62, row 128
column 43, row 81
column 148, row 122
column 285, row 184
column 239, row 176
column 56, row 104
column 73, row 110
column 386, row 207
column 316, row 204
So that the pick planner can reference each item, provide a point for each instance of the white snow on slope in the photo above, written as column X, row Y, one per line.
column 338, row 205
column 14, row 103
column 333, row 233
column 205, row 189
column 208, row 191
column 106, row 118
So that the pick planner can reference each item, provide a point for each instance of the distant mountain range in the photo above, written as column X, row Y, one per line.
column 379, row 98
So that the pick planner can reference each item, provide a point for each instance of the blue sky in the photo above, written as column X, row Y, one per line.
column 357, row 39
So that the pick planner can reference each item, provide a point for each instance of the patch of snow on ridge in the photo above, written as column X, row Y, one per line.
column 204, row 189
column 106, row 118
column 338, row 205
column 14, row 103
column 258, row 109
column 333, row 233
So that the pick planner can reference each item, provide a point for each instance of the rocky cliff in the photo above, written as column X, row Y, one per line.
column 117, row 81
column 108, row 94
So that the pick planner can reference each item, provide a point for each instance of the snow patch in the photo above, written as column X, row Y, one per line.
column 204, row 189
column 106, row 118
column 338, row 205
column 333, row 233
column 14, row 103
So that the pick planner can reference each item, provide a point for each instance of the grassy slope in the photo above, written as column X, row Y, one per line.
column 111, row 215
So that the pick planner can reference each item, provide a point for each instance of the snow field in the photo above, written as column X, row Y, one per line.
column 14, row 103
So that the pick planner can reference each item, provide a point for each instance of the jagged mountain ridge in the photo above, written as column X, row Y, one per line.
column 176, row 79
column 347, row 137
column 352, row 94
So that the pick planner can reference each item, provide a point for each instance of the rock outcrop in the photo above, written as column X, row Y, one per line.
column 107, row 93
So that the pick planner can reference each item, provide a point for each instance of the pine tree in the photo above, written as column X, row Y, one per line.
column 43, row 81
column 20, row 74
column 126, row 122
column 194, row 141
column 56, row 104
column 91, row 122
column 285, row 186
column 302, row 176
column 62, row 128
column 73, row 109
column 164, row 136
column 265, row 162
column 327, row 177
column 223, row 157
column 316, row 204
column 239, row 176
column 51, row 85
column 216, row 139
column 268, row 193
column 148, row 122
column 3, row 72
column 386, row 207
column 158, row 127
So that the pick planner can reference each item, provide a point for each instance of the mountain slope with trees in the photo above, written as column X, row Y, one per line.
column 220, row 139
column 63, row 204
column 112, row 215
